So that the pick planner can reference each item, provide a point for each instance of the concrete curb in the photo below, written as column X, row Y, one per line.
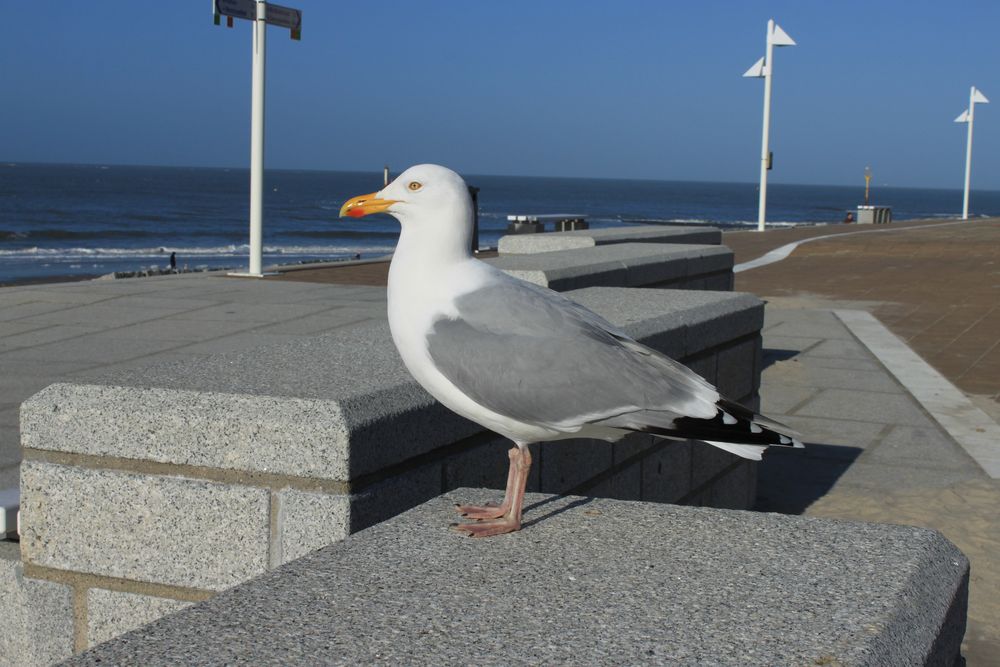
column 968, row 425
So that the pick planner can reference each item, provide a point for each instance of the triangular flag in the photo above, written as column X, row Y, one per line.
column 963, row 118
column 756, row 71
column 780, row 38
column 979, row 97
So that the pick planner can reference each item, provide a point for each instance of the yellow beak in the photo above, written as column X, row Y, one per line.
column 362, row 205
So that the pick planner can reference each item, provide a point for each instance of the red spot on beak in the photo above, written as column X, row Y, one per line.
column 356, row 212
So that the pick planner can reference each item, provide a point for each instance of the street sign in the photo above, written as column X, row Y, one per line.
column 285, row 17
column 241, row 9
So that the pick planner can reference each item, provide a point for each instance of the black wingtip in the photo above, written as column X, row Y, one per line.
column 733, row 424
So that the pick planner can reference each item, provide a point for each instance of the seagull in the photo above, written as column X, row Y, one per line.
column 524, row 361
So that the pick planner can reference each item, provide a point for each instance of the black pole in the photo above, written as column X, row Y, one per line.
column 474, row 193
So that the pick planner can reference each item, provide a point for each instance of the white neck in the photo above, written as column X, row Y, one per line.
column 432, row 263
column 428, row 245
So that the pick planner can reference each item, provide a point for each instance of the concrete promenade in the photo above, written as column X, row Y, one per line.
column 876, row 452
column 72, row 331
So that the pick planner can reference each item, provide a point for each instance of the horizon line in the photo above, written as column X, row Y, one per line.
column 12, row 163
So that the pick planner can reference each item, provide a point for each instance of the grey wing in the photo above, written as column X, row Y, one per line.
column 533, row 355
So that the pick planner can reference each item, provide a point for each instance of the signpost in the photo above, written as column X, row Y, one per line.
column 967, row 116
column 763, row 69
column 261, row 13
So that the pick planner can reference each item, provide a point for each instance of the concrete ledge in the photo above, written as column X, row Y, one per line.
column 625, row 265
column 532, row 243
column 313, row 438
column 36, row 617
column 171, row 483
column 111, row 613
column 165, row 530
column 329, row 407
column 586, row 582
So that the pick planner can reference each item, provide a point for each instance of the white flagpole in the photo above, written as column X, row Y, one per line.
column 764, row 68
column 764, row 153
column 257, row 141
column 968, row 116
column 968, row 154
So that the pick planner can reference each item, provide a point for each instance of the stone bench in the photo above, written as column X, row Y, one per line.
column 676, row 266
column 587, row 582
column 532, row 243
column 146, row 490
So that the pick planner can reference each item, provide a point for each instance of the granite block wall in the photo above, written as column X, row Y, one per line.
column 147, row 491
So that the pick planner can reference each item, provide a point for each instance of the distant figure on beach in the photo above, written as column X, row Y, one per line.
column 849, row 217
column 173, row 261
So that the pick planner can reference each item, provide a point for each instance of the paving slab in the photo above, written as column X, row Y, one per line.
column 183, row 329
column 973, row 429
column 872, row 474
column 837, row 430
column 870, row 406
column 40, row 334
column 794, row 372
column 70, row 331
column 921, row 446
column 108, row 314
column 587, row 581
column 792, row 343
column 876, row 456
column 98, row 349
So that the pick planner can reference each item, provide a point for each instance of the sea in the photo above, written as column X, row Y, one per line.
column 91, row 220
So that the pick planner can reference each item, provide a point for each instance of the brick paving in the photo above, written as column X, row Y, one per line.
column 937, row 287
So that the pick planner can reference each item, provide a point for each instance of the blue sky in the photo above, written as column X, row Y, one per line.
column 623, row 89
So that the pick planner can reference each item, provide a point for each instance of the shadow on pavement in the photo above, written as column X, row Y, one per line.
column 771, row 356
column 792, row 479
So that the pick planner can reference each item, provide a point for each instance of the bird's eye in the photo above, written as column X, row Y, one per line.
column 415, row 185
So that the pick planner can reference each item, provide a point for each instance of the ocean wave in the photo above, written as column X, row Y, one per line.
column 164, row 251
column 675, row 221
column 341, row 233
column 147, row 217
column 770, row 223
column 69, row 234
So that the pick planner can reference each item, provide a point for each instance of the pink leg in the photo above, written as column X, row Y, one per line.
column 510, row 521
column 492, row 510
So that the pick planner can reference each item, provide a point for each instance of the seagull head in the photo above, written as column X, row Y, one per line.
column 421, row 192
column 433, row 206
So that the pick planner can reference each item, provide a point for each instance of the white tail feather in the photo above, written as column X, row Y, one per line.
column 751, row 452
